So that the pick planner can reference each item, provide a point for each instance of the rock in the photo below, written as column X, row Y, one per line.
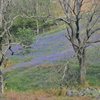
column 70, row 93
column 81, row 93
column 75, row 93
column 98, row 97
column 84, row 92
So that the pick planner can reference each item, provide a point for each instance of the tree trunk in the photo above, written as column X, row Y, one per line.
column 1, row 12
column 37, row 24
column 81, row 59
column 1, row 83
column 1, row 74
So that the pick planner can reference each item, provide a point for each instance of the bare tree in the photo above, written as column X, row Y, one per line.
column 6, row 40
column 82, row 24
column 5, row 37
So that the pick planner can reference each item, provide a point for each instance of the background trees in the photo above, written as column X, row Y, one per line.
column 38, row 9
column 81, row 26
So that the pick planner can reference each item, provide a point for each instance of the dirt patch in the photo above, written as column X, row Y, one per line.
column 30, row 96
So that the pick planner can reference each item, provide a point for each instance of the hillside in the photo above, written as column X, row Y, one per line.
column 47, row 49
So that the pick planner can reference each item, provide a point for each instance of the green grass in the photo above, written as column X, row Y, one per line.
column 44, row 78
column 32, row 79
column 54, row 30
column 93, row 75
column 16, row 60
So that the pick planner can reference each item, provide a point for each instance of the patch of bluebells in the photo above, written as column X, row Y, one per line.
column 46, row 49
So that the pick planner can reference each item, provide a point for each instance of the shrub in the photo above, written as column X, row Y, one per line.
column 25, row 36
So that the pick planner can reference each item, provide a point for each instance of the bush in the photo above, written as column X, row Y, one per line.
column 25, row 36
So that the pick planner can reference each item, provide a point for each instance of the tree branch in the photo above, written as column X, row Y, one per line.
column 90, row 42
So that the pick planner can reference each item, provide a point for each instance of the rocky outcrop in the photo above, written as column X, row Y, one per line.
column 94, row 92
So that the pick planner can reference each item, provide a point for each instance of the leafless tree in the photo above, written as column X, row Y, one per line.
column 82, row 23
column 5, row 36
column 7, row 18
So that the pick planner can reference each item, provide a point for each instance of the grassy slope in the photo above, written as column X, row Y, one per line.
column 44, row 77
column 32, row 79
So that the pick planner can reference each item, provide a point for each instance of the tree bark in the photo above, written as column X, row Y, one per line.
column 1, row 12
column 1, row 74
column 81, row 59
column 1, row 83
